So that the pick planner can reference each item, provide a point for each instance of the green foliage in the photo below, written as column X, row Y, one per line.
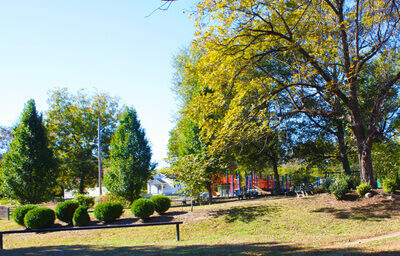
column 20, row 212
column 301, row 175
column 339, row 187
column 108, row 211
column 86, row 201
column 142, row 208
column 76, row 115
column 81, row 217
column 161, row 203
column 389, row 185
column 40, row 217
column 267, row 62
column 190, row 161
column 130, row 158
column 327, row 184
column 28, row 169
column 386, row 158
column 65, row 211
column 353, row 180
column 363, row 189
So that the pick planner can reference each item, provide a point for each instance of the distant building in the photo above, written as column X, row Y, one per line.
column 94, row 192
column 162, row 185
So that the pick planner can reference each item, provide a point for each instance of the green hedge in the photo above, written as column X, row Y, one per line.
column 161, row 203
column 81, row 217
column 20, row 212
column 142, row 208
column 65, row 211
column 40, row 217
column 108, row 211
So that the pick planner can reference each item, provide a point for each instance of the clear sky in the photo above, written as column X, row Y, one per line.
column 102, row 44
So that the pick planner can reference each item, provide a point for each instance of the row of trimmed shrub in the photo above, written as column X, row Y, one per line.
column 71, row 212
column 143, row 208
column 34, row 217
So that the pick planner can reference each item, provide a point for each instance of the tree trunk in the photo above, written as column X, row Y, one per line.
column 343, row 149
column 366, row 170
column 210, row 198
column 81, row 186
column 277, row 186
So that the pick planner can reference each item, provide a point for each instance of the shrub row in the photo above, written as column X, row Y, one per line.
column 144, row 208
column 34, row 217
column 75, row 211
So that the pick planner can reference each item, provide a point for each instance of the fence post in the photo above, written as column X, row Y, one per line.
column 177, row 232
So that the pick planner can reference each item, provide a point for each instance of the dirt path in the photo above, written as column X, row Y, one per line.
column 366, row 240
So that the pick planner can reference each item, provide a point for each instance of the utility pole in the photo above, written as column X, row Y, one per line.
column 99, row 155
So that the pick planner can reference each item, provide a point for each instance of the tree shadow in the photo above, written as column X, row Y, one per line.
column 371, row 212
column 227, row 249
column 175, row 213
column 244, row 214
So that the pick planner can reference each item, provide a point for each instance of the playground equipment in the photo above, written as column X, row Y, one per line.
column 230, row 185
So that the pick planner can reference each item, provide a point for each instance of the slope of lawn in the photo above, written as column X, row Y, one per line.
column 314, row 225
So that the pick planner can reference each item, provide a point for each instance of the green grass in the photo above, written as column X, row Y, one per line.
column 283, row 226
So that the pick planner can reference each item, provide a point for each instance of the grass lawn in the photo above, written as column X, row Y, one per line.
column 315, row 225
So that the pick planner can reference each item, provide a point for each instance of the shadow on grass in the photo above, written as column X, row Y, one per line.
column 229, row 249
column 371, row 212
column 244, row 214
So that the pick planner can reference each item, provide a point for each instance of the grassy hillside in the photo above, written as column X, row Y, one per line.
column 315, row 225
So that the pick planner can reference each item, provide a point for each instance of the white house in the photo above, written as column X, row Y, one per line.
column 162, row 185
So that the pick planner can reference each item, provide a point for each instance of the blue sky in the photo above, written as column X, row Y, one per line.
column 102, row 44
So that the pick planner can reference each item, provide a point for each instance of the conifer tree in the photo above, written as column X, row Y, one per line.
column 130, row 158
column 29, row 169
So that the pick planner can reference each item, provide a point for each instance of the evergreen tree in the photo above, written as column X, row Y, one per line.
column 29, row 169
column 130, row 158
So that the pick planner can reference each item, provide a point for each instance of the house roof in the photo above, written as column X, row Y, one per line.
column 157, row 181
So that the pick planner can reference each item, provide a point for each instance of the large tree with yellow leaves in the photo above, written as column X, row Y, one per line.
column 267, row 61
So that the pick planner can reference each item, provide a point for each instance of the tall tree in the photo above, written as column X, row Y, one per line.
column 130, row 158
column 190, row 160
column 72, row 121
column 325, row 49
column 29, row 170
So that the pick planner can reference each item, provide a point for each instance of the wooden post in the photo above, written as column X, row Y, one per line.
column 8, row 213
column 177, row 232
column 1, row 241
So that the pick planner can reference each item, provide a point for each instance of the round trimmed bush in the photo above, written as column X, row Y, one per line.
column 142, row 208
column 40, row 217
column 65, row 211
column 161, row 203
column 20, row 212
column 389, row 185
column 108, row 211
column 363, row 189
column 86, row 201
column 81, row 217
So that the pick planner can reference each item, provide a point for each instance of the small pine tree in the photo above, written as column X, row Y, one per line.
column 28, row 169
column 130, row 158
